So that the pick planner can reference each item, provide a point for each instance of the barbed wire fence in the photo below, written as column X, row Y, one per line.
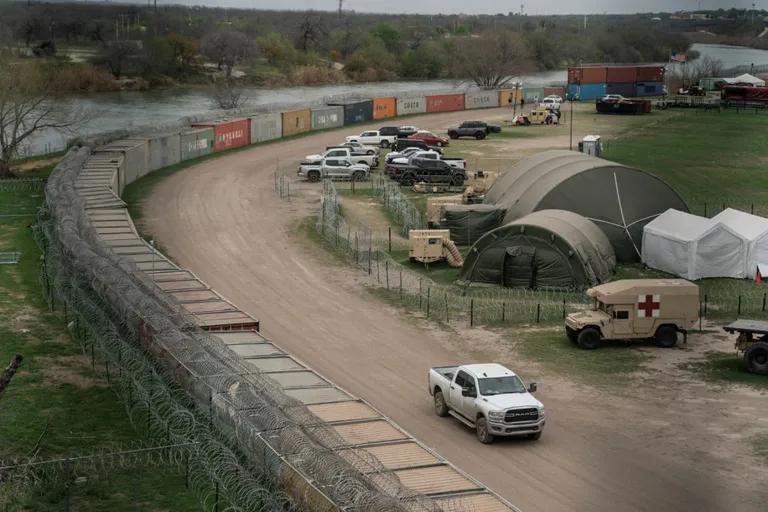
column 245, row 441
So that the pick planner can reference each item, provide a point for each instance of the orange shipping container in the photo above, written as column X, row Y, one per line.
column 296, row 121
column 650, row 73
column 621, row 74
column 445, row 102
column 384, row 107
column 505, row 95
column 595, row 75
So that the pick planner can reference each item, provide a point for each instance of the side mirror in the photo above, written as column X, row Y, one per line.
column 468, row 392
column 532, row 387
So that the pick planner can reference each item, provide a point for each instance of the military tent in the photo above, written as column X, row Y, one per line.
column 754, row 230
column 619, row 199
column 468, row 222
column 553, row 249
column 693, row 247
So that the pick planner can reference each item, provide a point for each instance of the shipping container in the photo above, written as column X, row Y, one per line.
column 411, row 105
column 327, row 117
column 164, row 150
column 650, row 73
column 445, row 103
column 627, row 90
column 228, row 133
column 712, row 84
column 481, row 99
column 533, row 94
column 196, row 143
column 621, row 74
column 135, row 158
column 356, row 111
column 586, row 92
column 649, row 89
column 554, row 91
column 587, row 75
column 508, row 96
column 266, row 126
column 296, row 121
column 384, row 107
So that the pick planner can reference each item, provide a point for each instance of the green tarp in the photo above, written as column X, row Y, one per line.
column 468, row 222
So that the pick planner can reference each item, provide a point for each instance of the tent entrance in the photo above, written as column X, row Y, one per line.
column 519, row 269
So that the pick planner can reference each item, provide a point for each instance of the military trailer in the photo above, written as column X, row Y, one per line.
column 633, row 309
column 431, row 245
column 753, row 342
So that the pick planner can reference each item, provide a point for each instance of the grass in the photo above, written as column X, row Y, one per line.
column 726, row 369
column 56, row 404
column 611, row 364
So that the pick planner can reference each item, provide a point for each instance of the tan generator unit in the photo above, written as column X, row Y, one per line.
column 435, row 205
column 431, row 245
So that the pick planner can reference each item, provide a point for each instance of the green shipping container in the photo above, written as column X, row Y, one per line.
column 532, row 94
column 196, row 142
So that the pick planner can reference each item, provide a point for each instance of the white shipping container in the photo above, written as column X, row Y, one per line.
column 481, row 99
column 412, row 105
column 135, row 157
column 327, row 117
column 164, row 150
column 266, row 127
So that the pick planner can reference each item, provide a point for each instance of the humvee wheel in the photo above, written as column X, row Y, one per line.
column 666, row 336
column 756, row 358
column 572, row 335
column 588, row 338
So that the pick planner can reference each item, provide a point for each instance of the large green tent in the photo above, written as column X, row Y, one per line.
column 554, row 249
column 619, row 199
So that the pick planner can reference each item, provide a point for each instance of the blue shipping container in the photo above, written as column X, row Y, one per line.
column 650, row 89
column 586, row 91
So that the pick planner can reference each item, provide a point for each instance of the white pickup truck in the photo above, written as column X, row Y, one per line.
column 488, row 398
column 335, row 169
column 373, row 138
column 356, row 157
column 458, row 163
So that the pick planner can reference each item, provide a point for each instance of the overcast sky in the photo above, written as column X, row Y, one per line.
column 481, row 6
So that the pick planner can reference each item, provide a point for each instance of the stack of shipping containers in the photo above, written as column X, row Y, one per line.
column 592, row 82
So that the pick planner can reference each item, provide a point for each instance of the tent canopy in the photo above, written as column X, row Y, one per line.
column 545, row 249
column 746, row 78
column 754, row 230
column 619, row 199
column 468, row 222
column 693, row 247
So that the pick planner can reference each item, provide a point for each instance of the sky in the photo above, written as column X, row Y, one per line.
column 482, row 6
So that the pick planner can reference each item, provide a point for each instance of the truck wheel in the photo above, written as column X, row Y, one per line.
column 407, row 180
column 481, row 427
column 480, row 135
column 313, row 176
column 370, row 152
column 756, row 358
column 536, row 436
column 453, row 135
column 385, row 143
column 358, row 176
column 572, row 335
column 441, row 409
column 666, row 336
column 457, row 181
column 588, row 338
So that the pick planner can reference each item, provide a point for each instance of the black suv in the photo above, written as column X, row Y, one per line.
column 401, row 144
column 476, row 129
column 389, row 130
column 431, row 171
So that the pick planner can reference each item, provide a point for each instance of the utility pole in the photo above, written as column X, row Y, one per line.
column 341, row 2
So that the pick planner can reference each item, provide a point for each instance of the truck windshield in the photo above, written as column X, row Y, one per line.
column 500, row 385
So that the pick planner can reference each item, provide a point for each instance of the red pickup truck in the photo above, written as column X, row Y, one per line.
column 429, row 138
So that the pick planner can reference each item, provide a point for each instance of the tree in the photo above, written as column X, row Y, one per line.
column 277, row 50
column 28, row 105
column 226, row 48
column 226, row 94
column 389, row 34
column 184, row 51
column 492, row 59
column 116, row 55
column 311, row 30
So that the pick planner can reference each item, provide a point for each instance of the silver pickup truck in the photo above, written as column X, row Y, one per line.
column 488, row 398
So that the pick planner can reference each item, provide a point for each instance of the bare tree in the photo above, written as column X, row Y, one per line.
column 116, row 55
column 311, row 30
column 226, row 94
column 492, row 59
column 689, row 73
column 29, row 105
column 226, row 48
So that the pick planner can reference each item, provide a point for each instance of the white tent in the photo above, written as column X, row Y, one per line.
column 693, row 247
column 754, row 230
column 746, row 78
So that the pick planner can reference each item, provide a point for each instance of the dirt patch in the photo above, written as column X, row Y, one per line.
column 34, row 165
column 67, row 370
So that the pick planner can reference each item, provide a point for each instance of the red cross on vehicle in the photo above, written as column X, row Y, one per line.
column 648, row 306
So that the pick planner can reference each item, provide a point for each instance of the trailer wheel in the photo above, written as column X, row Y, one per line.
column 385, row 143
column 666, row 336
column 756, row 358
column 313, row 176
column 441, row 409
column 481, row 428
column 588, row 338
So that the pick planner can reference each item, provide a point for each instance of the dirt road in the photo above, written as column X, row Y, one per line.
column 599, row 452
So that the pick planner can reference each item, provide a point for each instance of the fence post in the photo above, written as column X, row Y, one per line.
column 357, row 252
column 429, row 290
column 378, row 269
column 738, row 307
column 401, row 284
column 538, row 312
column 705, row 209
column 447, row 318
column 471, row 312
column 563, row 307
column 389, row 229
column 386, row 273
column 763, row 302
column 701, row 308
column 705, row 304
column 503, row 312
column 752, row 208
column 420, row 291
column 369, row 260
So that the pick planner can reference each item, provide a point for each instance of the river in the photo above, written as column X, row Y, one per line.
column 127, row 109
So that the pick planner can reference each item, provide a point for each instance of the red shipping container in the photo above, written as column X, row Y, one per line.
column 228, row 133
column 575, row 75
column 621, row 74
column 593, row 75
column 445, row 102
column 650, row 73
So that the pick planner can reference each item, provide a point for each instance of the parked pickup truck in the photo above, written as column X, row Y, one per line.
column 333, row 168
column 373, row 138
column 395, row 166
column 357, row 148
column 355, row 157
column 489, row 398
column 476, row 129
column 403, row 144
column 429, row 171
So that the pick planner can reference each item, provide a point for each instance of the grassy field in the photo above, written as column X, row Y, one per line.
column 57, row 406
column 727, row 369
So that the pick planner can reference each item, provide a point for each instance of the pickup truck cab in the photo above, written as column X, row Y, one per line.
column 373, row 138
column 407, row 152
column 345, row 153
column 476, row 129
column 406, row 131
column 459, row 163
column 429, row 171
column 333, row 168
column 403, row 144
column 357, row 148
column 489, row 398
